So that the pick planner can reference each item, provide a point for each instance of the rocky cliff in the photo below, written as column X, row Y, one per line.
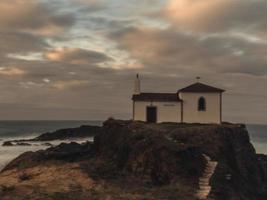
column 81, row 132
column 135, row 160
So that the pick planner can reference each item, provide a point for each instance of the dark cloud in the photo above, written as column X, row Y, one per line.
column 33, row 16
column 182, row 51
column 104, row 23
column 19, row 42
column 76, row 59
column 77, row 56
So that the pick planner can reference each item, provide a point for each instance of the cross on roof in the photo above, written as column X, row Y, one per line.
column 198, row 78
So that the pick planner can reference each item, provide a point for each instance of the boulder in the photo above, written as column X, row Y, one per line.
column 23, row 144
column 64, row 152
column 47, row 144
column 70, row 133
column 7, row 143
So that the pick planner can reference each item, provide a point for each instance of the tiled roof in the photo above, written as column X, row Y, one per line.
column 200, row 87
column 156, row 97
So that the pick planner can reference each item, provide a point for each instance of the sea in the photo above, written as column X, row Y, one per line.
column 15, row 130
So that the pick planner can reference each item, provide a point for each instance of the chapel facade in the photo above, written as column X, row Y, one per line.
column 196, row 103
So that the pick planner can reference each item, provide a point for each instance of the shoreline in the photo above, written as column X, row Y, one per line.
column 152, row 161
column 8, row 153
column 42, row 145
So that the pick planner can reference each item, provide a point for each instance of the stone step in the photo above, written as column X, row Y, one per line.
column 201, row 196
column 203, row 184
column 203, row 193
column 210, row 170
column 206, row 157
column 206, row 192
column 212, row 164
column 207, row 175
column 210, row 167
column 204, row 181
column 204, row 187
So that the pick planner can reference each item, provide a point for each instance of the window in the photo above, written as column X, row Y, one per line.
column 201, row 104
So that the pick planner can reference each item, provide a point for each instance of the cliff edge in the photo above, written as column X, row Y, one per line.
column 136, row 160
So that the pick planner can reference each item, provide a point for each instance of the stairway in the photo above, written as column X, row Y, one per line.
column 204, row 181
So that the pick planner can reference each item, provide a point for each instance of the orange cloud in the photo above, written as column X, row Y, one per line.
column 217, row 15
column 62, row 85
column 196, row 14
column 11, row 71
column 76, row 56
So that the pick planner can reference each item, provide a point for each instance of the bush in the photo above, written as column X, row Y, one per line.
column 4, row 188
column 24, row 177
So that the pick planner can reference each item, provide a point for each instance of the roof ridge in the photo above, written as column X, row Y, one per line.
column 200, row 87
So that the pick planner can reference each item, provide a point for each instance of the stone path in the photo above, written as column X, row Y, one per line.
column 204, row 181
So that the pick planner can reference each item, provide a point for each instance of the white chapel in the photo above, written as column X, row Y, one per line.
column 197, row 103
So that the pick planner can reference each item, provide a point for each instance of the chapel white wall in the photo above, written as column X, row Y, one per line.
column 190, row 108
column 166, row 111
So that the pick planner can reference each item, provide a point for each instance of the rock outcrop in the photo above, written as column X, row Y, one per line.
column 7, row 143
column 69, row 133
column 135, row 160
column 64, row 152
column 61, row 134
column 238, row 175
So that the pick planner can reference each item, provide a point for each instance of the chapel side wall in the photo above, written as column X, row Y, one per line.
column 166, row 111
column 190, row 108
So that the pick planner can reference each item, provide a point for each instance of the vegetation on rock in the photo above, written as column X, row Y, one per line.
column 136, row 160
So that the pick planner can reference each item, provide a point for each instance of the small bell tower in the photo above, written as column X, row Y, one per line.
column 137, row 85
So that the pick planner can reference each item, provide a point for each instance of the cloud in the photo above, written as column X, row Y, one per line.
column 76, row 56
column 218, row 15
column 18, row 42
column 107, row 42
column 63, row 85
column 11, row 71
column 33, row 16
column 183, row 52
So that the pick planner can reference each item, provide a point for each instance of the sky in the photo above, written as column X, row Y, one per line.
column 77, row 59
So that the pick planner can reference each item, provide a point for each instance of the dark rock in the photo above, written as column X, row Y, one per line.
column 23, row 144
column 64, row 134
column 230, row 145
column 24, row 177
column 69, row 133
column 15, row 143
column 145, row 152
column 7, row 143
column 162, row 154
column 47, row 144
column 64, row 152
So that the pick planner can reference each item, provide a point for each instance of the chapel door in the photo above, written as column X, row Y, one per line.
column 151, row 114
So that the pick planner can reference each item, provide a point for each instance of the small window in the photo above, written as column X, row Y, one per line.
column 201, row 104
